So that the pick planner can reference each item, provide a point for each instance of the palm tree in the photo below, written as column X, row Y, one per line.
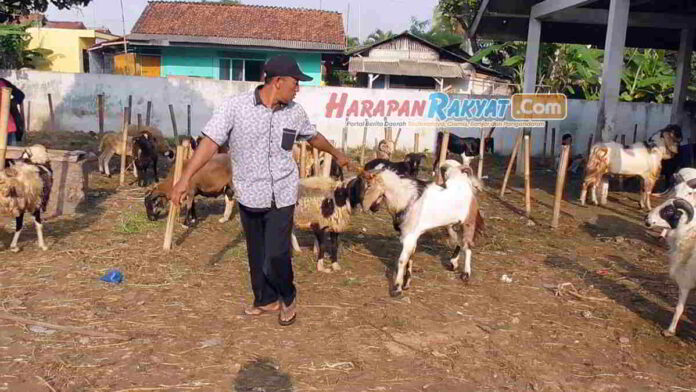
column 378, row 36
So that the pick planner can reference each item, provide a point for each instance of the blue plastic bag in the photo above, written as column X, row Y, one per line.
column 113, row 276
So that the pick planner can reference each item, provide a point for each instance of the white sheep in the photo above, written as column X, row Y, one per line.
column 325, row 206
column 677, row 214
column 26, row 187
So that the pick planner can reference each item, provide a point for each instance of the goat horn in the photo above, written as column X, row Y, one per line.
column 691, row 183
column 686, row 206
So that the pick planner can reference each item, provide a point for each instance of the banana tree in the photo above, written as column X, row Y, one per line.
column 647, row 76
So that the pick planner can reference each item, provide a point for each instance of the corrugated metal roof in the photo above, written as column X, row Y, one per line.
column 435, row 69
column 167, row 40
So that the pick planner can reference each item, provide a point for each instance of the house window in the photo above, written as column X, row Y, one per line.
column 246, row 70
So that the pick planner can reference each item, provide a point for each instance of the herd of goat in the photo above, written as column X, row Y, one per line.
column 326, row 204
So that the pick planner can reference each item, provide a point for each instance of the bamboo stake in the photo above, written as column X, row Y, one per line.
column 416, row 147
column 691, row 152
column 100, row 110
column 560, row 184
column 130, row 108
column 22, row 320
column 589, row 146
column 317, row 167
column 188, row 120
column 362, row 148
column 140, row 122
column 546, row 135
column 326, row 168
column 396, row 141
column 147, row 115
column 174, row 210
column 5, row 93
column 124, row 143
column 53, row 117
column 171, row 114
column 621, row 178
column 28, row 115
column 443, row 155
column 344, row 139
column 518, row 143
column 481, row 150
column 303, row 161
column 553, row 143
column 635, row 132
column 616, row 137
column 527, row 190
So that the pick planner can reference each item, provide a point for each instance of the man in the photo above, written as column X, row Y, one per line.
column 15, row 126
column 575, row 161
column 261, row 127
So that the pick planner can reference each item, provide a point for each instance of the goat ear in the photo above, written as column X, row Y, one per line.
column 691, row 183
column 467, row 170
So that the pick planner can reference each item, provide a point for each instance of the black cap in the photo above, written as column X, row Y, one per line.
column 284, row 65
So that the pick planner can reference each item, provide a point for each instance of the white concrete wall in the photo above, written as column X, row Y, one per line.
column 74, row 101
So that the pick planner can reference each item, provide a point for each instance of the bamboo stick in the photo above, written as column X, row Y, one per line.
column 317, row 167
column 174, row 210
column 53, row 117
column 560, row 184
column 635, row 132
column 171, row 114
column 589, row 146
column 28, row 115
column 303, row 161
column 396, row 141
column 546, row 136
column 148, row 113
column 527, row 190
column 416, row 142
column 124, row 143
column 344, row 139
column 362, row 148
column 481, row 150
column 443, row 155
column 188, row 120
column 100, row 110
column 5, row 94
column 518, row 143
column 130, row 108
column 553, row 143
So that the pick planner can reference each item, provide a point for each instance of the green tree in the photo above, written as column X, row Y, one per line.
column 352, row 43
column 11, row 10
column 378, row 36
column 459, row 16
column 439, row 34
column 14, row 52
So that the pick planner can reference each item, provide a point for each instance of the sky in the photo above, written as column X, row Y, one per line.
column 394, row 15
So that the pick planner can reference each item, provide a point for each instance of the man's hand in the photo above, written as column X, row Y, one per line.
column 178, row 191
column 344, row 161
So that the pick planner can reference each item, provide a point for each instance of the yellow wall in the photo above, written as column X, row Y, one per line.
column 66, row 47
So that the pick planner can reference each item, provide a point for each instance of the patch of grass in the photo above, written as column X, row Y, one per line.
column 349, row 282
column 135, row 223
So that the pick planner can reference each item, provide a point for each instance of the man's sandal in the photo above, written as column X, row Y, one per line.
column 261, row 310
column 285, row 311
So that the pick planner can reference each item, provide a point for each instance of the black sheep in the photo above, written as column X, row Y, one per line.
column 679, row 161
column 144, row 155
column 468, row 146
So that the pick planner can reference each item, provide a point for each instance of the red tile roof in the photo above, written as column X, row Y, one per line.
column 240, row 21
column 64, row 25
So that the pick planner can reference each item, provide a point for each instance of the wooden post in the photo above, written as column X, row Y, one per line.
column 148, row 113
column 50, row 109
column 560, row 184
column 443, row 155
column 176, row 133
column 5, row 94
column 691, row 151
column 21, row 112
column 100, row 110
column 546, row 136
column 589, row 146
column 553, row 143
column 326, row 168
column 527, row 190
column 188, row 120
column 28, row 115
column 635, row 132
column 416, row 142
column 130, row 108
column 616, row 137
column 621, row 178
column 317, row 167
column 518, row 143
column 124, row 152
column 481, row 150
column 396, row 141
column 140, row 122
column 303, row 161
column 173, row 210
column 362, row 149
column 344, row 139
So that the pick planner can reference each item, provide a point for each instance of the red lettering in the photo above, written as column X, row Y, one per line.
column 405, row 109
column 366, row 108
column 418, row 108
column 337, row 106
column 392, row 106
column 353, row 109
column 379, row 109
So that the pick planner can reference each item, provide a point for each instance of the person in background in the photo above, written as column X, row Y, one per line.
column 15, row 126
column 575, row 161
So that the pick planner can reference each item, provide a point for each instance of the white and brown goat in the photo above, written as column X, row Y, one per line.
column 640, row 159
column 417, row 206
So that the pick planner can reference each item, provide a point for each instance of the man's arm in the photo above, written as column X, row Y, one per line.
column 320, row 143
column 201, row 156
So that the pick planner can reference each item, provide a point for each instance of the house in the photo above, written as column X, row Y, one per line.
column 222, row 41
column 408, row 61
column 64, row 44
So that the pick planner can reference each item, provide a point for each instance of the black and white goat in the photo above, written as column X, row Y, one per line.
column 417, row 206
column 677, row 214
column 144, row 156
column 26, row 186
column 408, row 167
column 468, row 146
column 325, row 207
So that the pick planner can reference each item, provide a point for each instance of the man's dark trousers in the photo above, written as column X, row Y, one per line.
column 268, row 233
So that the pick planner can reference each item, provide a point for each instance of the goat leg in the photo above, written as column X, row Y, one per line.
column 295, row 244
column 683, row 295
column 408, row 274
column 409, row 246
column 39, row 230
column 334, row 252
column 321, row 240
column 229, row 204
column 466, row 275
column 19, row 224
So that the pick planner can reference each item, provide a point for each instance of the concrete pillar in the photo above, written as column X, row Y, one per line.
column 531, row 62
column 611, row 69
column 686, row 43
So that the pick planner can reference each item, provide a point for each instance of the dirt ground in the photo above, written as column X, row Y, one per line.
column 583, row 311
